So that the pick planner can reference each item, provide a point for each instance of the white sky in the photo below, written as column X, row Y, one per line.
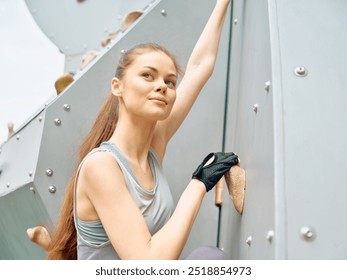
column 29, row 65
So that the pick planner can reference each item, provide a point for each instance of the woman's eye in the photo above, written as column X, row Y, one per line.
column 147, row 75
column 171, row 84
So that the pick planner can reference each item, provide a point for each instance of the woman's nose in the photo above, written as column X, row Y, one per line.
column 161, row 87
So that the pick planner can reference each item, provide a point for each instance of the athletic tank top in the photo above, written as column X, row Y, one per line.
column 156, row 206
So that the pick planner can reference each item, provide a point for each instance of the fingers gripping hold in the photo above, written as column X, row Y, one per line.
column 213, row 167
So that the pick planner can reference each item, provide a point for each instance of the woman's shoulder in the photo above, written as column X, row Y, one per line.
column 97, row 163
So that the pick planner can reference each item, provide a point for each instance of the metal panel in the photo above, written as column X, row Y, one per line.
column 18, row 155
column 294, row 145
column 76, row 27
column 21, row 210
column 313, row 35
column 250, row 132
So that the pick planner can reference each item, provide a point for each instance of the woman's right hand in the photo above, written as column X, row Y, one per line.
column 213, row 167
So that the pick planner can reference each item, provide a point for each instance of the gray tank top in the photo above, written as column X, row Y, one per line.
column 156, row 206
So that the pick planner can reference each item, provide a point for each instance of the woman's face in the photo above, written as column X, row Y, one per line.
column 148, row 87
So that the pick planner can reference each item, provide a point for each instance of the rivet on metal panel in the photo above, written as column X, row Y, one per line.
column 18, row 136
column 122, row 51
column 52, row 189
column 255, row 108
column 249, row 240
column 67, row 107
column 235, row 21
column 49, row 172
column 57, row 122
column 30, row 173
column 307, row 233
column 267, row 86
column 163, row 12
column 300, row 71
column 40, row 118
column 270, row 235
column 8, row 185
column 32, row 189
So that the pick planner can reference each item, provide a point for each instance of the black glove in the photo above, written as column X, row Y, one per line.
column 211, row 173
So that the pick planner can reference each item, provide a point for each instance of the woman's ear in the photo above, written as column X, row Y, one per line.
column 116, row 87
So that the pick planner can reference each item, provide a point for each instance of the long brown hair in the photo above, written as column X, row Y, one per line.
column 64, row 240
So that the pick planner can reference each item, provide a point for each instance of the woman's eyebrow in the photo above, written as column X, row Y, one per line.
column 156, row 71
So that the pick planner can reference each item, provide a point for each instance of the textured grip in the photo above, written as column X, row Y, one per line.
column 236, row 183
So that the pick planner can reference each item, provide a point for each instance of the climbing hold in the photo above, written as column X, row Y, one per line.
column 63, row 82
column 236, row 182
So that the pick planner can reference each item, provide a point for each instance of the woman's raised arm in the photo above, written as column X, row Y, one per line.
column 199, row 69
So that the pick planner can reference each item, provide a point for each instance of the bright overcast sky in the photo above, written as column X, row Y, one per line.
column 29, row 65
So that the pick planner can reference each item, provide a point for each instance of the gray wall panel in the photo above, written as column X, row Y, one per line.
column 21, row 210
column 293, row 147
column 314, row 119
column 250, row 133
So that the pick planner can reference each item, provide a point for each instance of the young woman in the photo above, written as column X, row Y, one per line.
column 118, row 203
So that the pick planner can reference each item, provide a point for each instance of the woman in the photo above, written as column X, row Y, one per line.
column 118, row 198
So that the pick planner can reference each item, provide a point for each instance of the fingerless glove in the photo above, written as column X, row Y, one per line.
column 211, row 173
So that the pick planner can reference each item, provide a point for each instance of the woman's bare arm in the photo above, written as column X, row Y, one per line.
column 199, row 69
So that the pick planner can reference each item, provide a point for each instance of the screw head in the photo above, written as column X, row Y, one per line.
column 300, row 71
column 49, row 172
column 270, row 235
column 267, row 86
column 249, row 240
column 307, row 233
column 163, row 12
column 255, row 108
column 57, row 122
column 52, row 189
column 67, row 107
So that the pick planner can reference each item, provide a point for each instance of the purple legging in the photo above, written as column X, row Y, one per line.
column 207, row 253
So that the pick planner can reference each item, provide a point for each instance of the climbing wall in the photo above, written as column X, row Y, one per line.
column 287, row 120
column 277, row 98
column 50, row 139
